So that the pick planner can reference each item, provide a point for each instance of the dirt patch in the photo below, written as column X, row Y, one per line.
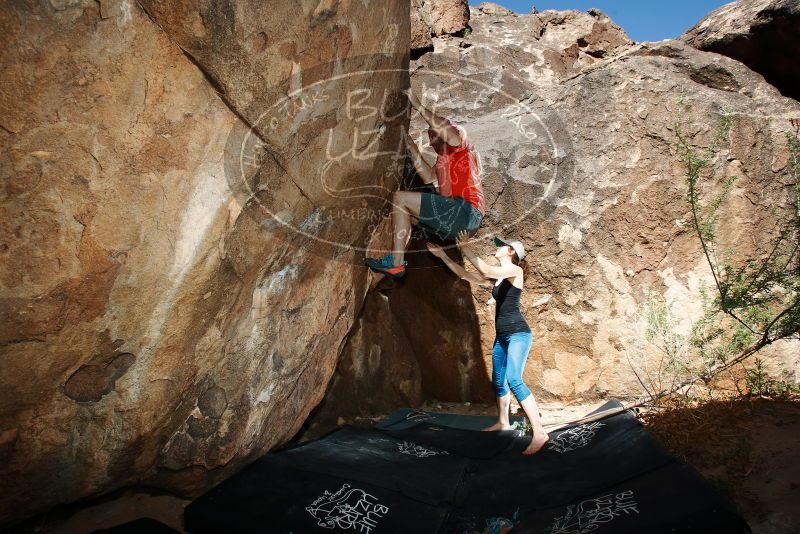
column 747, row 447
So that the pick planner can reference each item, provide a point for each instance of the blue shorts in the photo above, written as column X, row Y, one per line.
column 447, row 216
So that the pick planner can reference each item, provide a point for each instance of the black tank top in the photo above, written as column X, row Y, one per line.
column 507, row 317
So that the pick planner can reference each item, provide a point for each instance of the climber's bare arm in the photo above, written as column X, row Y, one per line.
column 439, row 124
column 486, row 270
column 426, row 171
column 460, row 271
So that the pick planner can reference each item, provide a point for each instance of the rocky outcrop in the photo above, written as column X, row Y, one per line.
column 420, row 31
column 586, row 36
column 431, row 18
column 490, row 8
column 547, row 48
column 189, row 189
column 575, row 127
column 413, row 341
column 762, row 34
column 179, row 265
column 376, row 373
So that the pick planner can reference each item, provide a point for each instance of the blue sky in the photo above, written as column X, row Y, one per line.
column 642, row 20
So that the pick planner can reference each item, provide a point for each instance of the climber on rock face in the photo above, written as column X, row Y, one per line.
column 459, row 206
column 513, row 337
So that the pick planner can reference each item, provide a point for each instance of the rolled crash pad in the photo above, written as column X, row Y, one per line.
column 607, row 406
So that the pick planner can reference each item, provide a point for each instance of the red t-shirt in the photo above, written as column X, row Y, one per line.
column 458, row 171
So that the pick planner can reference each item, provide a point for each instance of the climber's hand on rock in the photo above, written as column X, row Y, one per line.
column 412, row 98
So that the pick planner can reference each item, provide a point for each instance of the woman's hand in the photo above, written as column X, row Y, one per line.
column 435, row 249
column 462, row 239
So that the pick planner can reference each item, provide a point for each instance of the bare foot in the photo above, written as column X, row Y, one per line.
column 497, row 426
column 538, row 441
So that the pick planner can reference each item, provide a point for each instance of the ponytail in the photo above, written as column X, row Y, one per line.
column 521, row 263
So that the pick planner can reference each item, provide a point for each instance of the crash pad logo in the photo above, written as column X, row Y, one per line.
column 412, row 449
column 347, row 509
column 574, row 438
column 318, row 156
column 591, row 514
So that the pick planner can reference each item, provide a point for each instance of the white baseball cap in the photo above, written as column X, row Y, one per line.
column 516, row 245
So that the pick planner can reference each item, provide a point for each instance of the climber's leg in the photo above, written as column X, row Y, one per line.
column 447, row 216
column 405, row 206
column 500, row 383
column 540, row 436
column 519, row 346
column 503, row 407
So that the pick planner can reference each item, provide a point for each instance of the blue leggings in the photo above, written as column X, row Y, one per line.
column 508, row 359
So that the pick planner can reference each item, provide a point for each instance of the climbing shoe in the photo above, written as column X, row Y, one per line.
column 386, row 265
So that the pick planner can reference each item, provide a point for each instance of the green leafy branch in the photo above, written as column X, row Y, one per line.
column 755, row 300
column 762, row 294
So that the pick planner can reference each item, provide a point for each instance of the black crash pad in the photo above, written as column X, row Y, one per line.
column 409, row 417
column 671, row 499
column 578, row 460
column 420, row 472
column 368, row 455
column 269, row 497
column 467, row 443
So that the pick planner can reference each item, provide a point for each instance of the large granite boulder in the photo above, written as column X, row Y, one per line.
column 575, row 127
column 762, row 34
column 415, row 340
column 431, row 18
column 377, row 370
column 179, row 269
column 490, row 8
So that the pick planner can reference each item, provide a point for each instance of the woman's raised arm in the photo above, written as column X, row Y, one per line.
column 486, row 270
column 461, row 272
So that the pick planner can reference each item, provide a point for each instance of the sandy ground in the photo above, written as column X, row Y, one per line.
column 748, row 448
